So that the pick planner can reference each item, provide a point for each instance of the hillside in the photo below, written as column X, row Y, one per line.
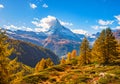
column 59, row 41
column 16, row 71
column 30, row 54
column 99, row 65
column 89, row 67
column 67, row 74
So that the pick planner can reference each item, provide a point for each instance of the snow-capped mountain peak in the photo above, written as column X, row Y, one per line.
column 55, row 26
column 62, row 32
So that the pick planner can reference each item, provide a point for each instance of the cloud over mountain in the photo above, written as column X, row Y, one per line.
column 103, row 22
column 79, row 31
column 13, row 27
column 45, row 23
column 65, row 23
column 96, row 27
column 118, row 18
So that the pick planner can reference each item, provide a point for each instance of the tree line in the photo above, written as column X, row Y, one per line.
column 105, row 51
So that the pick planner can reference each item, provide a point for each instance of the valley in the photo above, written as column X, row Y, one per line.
column 59, row 42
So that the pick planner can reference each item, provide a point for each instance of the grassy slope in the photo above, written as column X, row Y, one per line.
column 17, row 71
column 67, row 74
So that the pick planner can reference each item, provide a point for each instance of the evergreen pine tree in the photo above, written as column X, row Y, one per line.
column 85, row 54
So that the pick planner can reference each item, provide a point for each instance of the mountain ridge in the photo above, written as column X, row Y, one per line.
column 31, row 54
column 58, row 38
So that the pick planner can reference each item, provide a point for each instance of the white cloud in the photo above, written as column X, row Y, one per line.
column 39, row 30
column 33, row 6
column 79, row 31
column 103, row 22
column 65, row 23
column 26, row 28
column 96, row 27
column 45, row 5
column 13, row 27
column 103, row 27
column 118, row 18
column 117, row 27
column 1, row 6
column 45, row 23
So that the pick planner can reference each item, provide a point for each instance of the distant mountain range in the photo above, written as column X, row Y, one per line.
column 58, row 38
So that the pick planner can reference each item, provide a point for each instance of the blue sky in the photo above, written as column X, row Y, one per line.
column 81, row 16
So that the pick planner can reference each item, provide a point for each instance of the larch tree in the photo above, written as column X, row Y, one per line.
column 105, row 48
column 5, row 52
column 85, row 54
column 68, row 58
column 49, row 63
column 40, row 65
column 74, row 54
column 98, row 50
column 62, row 61
column 111, row 47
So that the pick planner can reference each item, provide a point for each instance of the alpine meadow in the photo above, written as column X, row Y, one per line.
column 59, row 42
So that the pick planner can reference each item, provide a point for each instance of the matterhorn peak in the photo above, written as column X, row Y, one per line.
column 50, row 21
column 56, row 23
column 55, row 26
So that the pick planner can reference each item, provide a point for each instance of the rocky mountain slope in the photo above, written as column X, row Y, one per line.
column 58, row 38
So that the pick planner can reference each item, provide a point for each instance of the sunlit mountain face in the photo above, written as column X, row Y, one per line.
column 57, row 38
